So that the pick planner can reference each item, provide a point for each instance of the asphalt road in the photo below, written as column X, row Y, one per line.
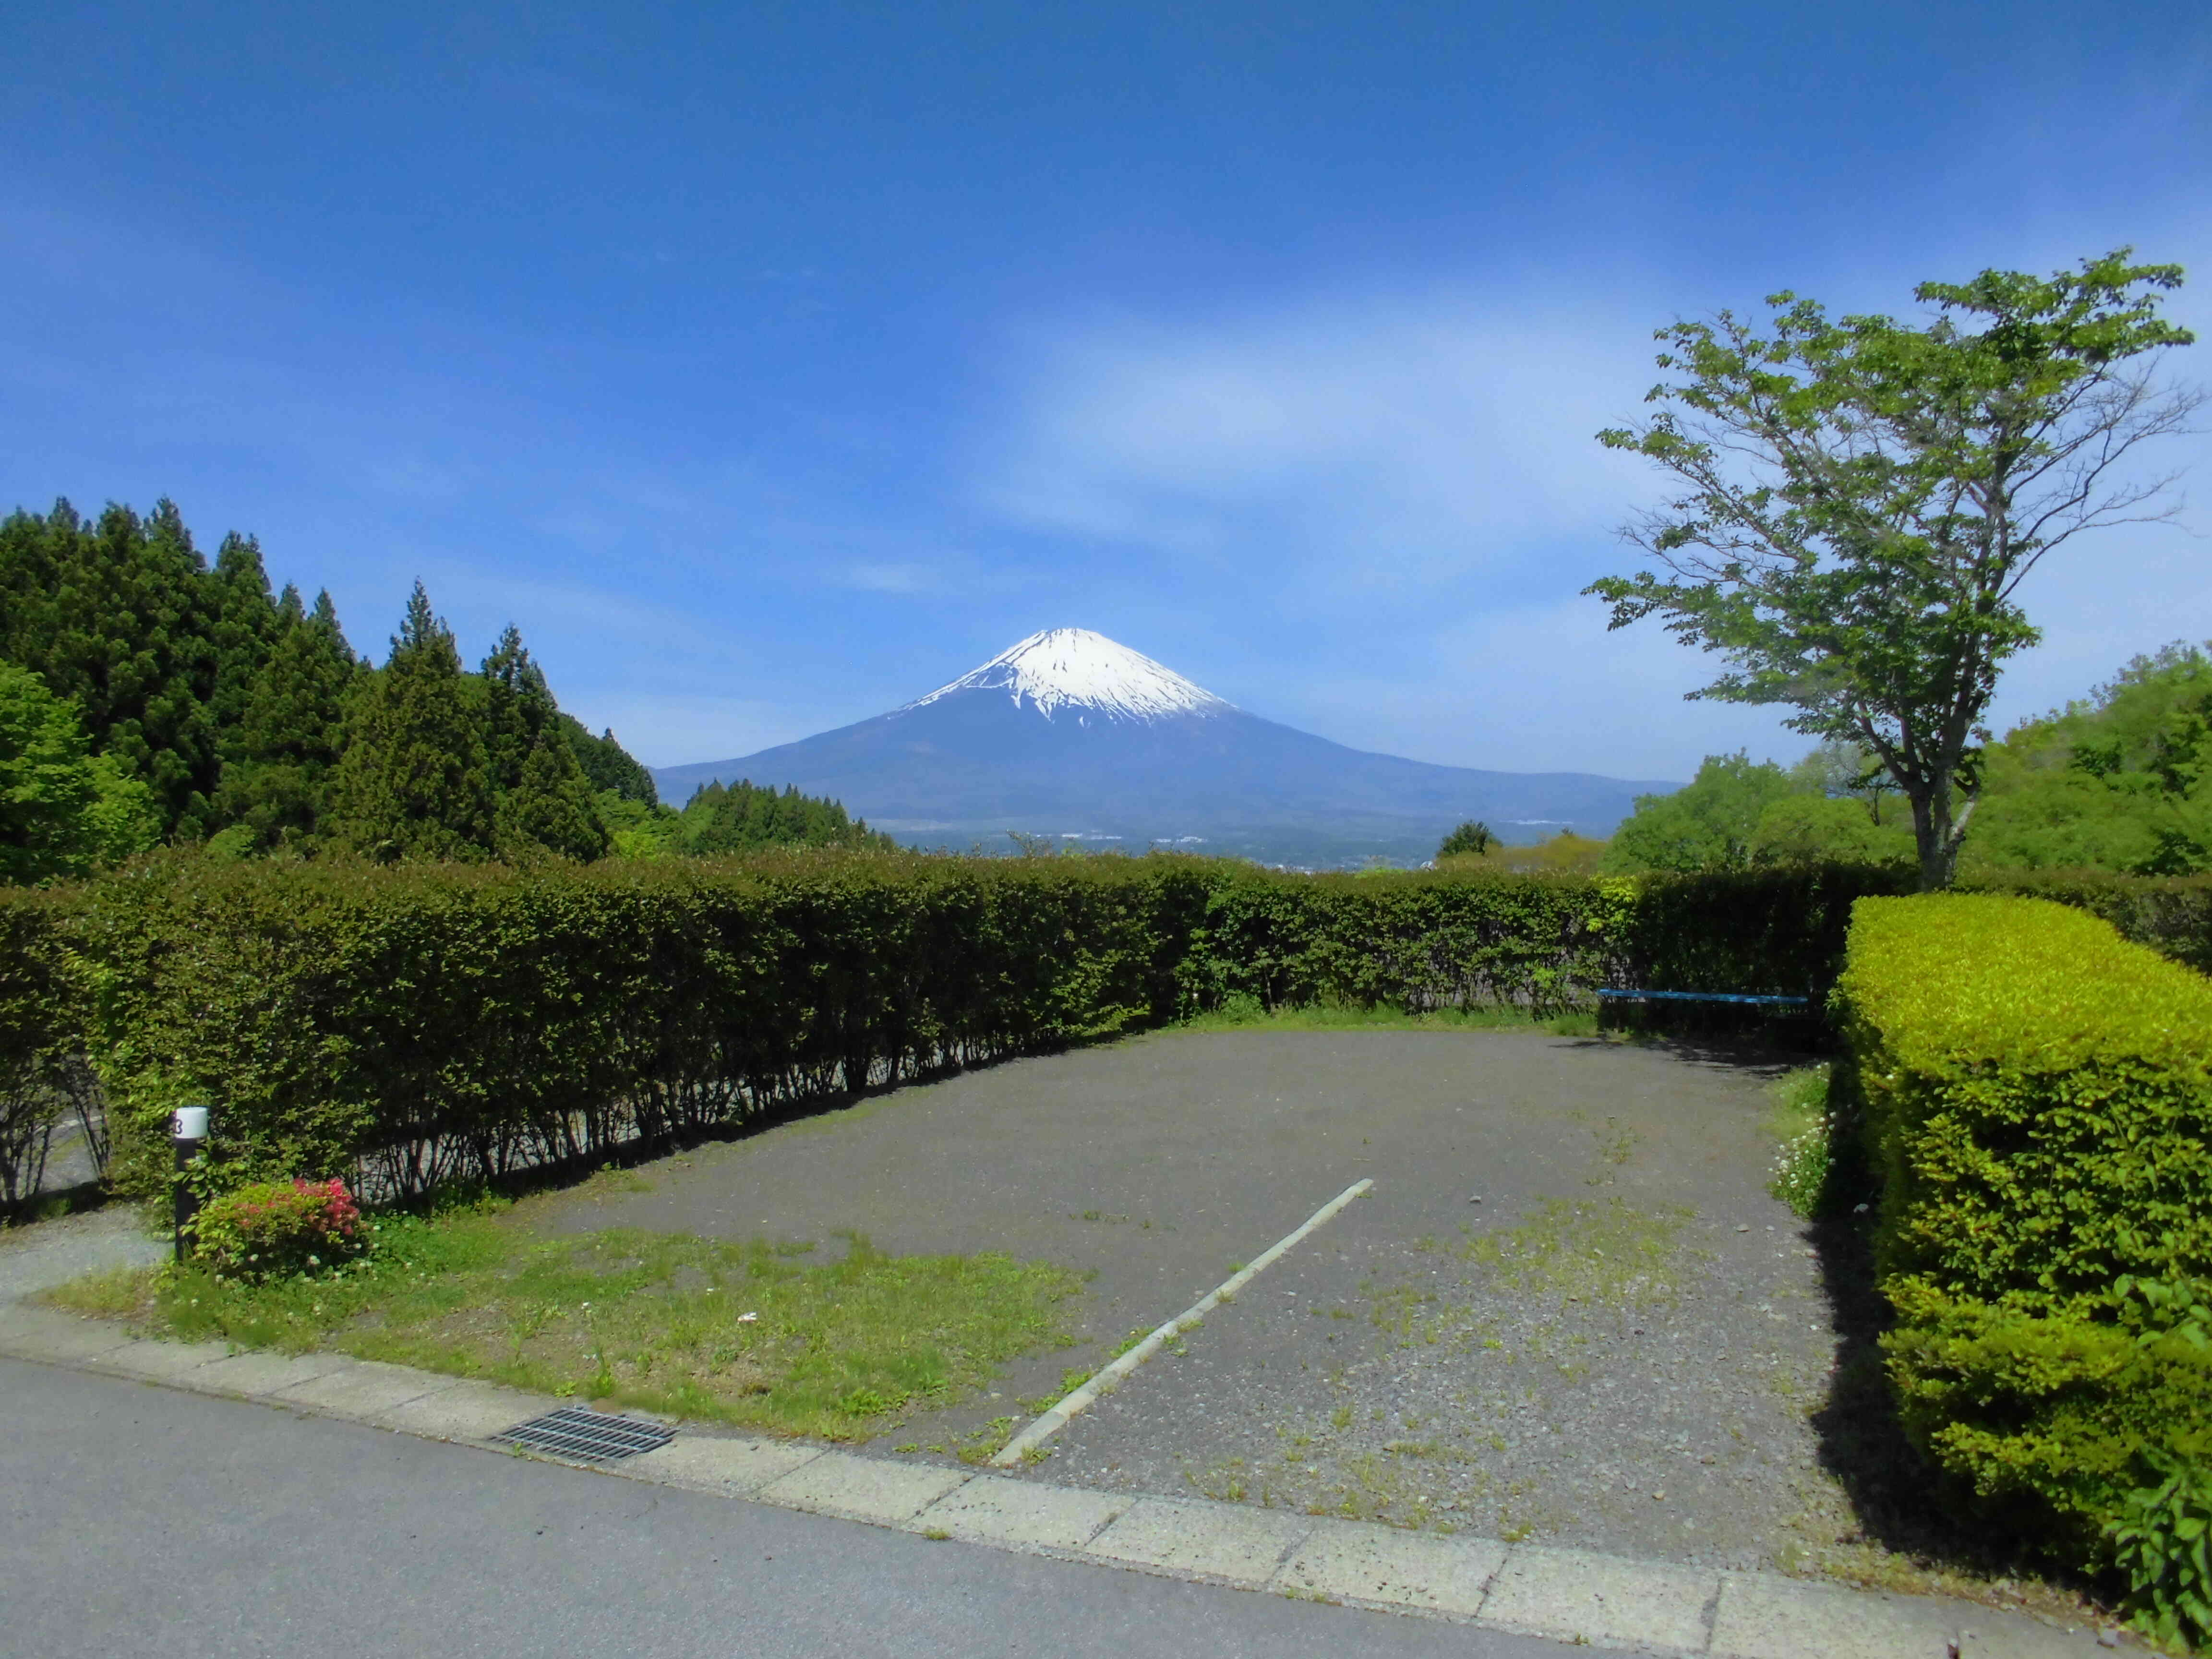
column 138, row 1520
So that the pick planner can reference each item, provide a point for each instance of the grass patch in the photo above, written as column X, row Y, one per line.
column 1244, row 1013
column 735, row 1333
column 1601, row 1253
column 1804, row 1158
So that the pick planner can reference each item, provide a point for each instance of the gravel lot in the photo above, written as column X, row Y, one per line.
column 1567, row 1310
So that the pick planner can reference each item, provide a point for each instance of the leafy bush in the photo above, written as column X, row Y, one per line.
column 279, row 1230
column 2037, row 1098
column 2171, row 915
column 45, row 1008
column 2163, row 1538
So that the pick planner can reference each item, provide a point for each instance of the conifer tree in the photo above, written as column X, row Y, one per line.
column 412, row 781
column 607, row 765
column 246, row 627
column 279, row 759
column 549, row 809
column 517, row 706
column 743, row 817
column 544, row 801
column 118, row 617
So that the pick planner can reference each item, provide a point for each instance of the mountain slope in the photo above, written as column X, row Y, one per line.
column 1069, row 733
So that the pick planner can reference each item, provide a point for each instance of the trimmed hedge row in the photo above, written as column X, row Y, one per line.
column 420, row 1023
column 45, row 1003
column 430, row 1022
column 2036, row 1094
column 414, row 1024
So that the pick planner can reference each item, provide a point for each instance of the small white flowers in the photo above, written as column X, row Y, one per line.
column 748, row 1318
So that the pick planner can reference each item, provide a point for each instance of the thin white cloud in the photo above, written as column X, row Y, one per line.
column 1412, row 437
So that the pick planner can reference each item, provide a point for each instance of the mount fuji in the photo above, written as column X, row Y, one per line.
column 1069, row 734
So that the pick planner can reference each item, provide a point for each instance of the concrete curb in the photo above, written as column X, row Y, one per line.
column 1571, row 1595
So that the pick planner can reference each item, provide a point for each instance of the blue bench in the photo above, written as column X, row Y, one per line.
column 1619, row 994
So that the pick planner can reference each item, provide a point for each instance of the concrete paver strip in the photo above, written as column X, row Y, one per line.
column 363, row 1388
column 1763, row 1617
column 467, row 1410
column 57, row 1337
column 1576, row 1595
column 253, row 1374
column 1359, row 1561
column 1022, row 1513
column 862, row 1488
column 160, row 1362
column 732, row 1467
column 1985, row 1633
column 1224, row 1541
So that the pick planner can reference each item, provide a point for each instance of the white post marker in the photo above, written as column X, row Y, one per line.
column 188, row 1135
column 1081, row 1399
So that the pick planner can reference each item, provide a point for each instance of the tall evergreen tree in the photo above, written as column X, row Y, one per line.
column 544, row 801
column 743, row 817
column 413, row 780
column 279, row 758
column 549, row 809
column 118, row 616
column 246, row 627
column 607, row 765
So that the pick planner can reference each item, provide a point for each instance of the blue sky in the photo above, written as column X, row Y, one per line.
column 770, row 365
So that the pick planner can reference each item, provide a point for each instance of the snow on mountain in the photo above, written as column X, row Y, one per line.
column 1074, row 668
column 1129, row 751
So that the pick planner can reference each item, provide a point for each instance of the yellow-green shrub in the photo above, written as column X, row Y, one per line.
column 2036, row 1096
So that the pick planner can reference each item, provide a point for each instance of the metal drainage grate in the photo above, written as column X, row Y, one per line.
column 572, row 1432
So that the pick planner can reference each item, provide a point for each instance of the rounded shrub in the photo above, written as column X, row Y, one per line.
column 279, row 1230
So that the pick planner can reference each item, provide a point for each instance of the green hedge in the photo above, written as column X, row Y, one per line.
column 45, row 1010
column 2036, row 1094
column 443, row 1022
column 435, row 1022
column 2171, row 915
column 430, row 1022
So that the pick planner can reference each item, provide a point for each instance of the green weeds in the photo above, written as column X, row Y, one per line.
column 1804, row 1164
column 1244, row 1012
column 737, row 1332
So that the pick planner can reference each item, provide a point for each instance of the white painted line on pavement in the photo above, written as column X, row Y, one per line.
column 1051, row 1421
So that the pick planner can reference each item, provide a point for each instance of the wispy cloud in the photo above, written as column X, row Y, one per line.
column 1421, row 436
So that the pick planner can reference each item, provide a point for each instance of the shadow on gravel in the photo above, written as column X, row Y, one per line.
column 1750, row 1056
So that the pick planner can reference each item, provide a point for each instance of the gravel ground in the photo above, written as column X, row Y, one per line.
column 1582, row 1370
column 39, row 1257
column 1567, row 1311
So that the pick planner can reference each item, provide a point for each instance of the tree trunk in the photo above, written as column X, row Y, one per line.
column 1935, row 832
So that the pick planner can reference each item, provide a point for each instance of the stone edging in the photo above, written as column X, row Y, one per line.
column 1606, row 1601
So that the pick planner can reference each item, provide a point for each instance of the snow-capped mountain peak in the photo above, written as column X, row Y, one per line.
column 1075, row 668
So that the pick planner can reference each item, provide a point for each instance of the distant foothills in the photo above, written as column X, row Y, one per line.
column 148, row 696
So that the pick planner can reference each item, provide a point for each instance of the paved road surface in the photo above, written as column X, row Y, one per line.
column 139, row 1521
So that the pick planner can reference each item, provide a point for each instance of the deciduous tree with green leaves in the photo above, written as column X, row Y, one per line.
column 1472, row 838
column 63, row 810
column 1864, row 498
